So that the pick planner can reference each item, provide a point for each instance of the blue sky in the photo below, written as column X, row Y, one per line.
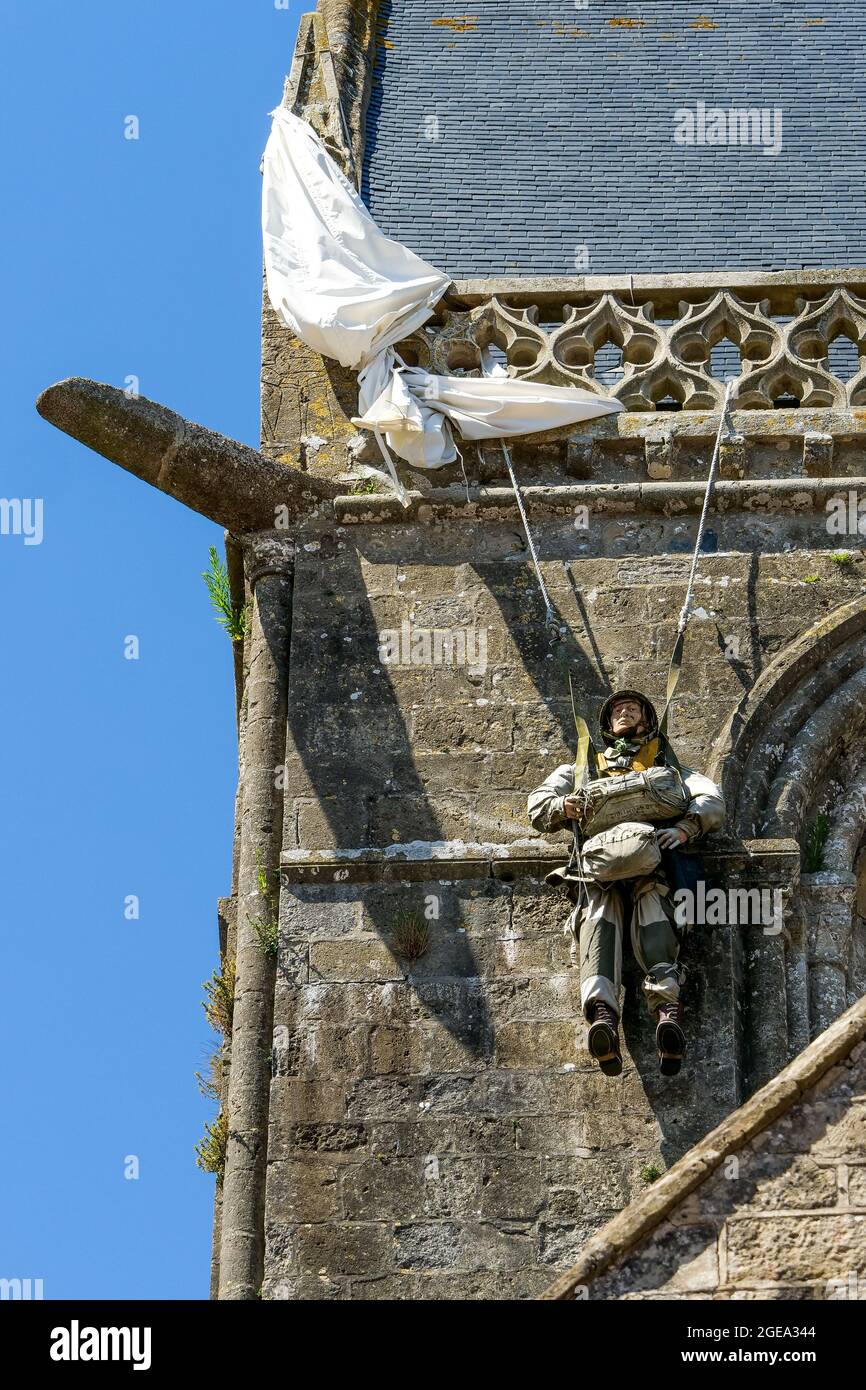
column 122, row 258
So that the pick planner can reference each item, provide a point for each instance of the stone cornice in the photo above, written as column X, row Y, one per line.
column 425, row 860
column 758, row 495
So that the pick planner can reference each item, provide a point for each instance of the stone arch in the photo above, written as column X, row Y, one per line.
column 832, row 906
column 792, row 748
column 784, row 738
column 810, row 763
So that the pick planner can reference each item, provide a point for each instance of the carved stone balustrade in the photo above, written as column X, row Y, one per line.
column 776, row 330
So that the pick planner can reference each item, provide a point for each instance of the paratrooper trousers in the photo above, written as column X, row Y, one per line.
column 597, row 925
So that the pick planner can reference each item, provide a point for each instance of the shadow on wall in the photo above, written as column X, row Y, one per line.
column 359, row 765
column 712, row 957
column 356, row 751
column 358, row 781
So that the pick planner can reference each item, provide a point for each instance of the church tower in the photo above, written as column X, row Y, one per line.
column 647, row 205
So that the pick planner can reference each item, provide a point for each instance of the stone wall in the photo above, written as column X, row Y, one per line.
column 772, row 1205
column 436, row 1129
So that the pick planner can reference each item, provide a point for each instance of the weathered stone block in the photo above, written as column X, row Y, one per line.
column 312, row 1288
column 802, row 1247
column 467, row 1246
column 559, row 1243
column 294, row 960
column 455, row 1003
column 857, row 1185
column 302, row 1191
column 323, row 1049
column 452, row 1095
column 302, row 1099
column 328, row 1138
column 451, row 1185
column 353, row 960
column 304, row 916
column 332, row 821
column 470, row 1049
column 388, row 1098
column 427, row 1245
column 641, row 1133
column 334, row 1002
column 396, row 1049
column 678, row 1259
column 539, row 998
column 579, row 1187
column 538, row 1044
column 543, row 1135
column 382, row 1189
column 512, row 1188
column 451, row 952
column 486, row 910
column 828, row 1129
column 343, row 1248
column 474, row 1134
column 541, row 954
column 763, row 1181
column 469, row 726
column 434, row 1285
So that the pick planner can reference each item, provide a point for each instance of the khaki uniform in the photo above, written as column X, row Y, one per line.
column 598, row 920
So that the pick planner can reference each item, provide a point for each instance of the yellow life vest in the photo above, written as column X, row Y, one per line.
column 643, row 759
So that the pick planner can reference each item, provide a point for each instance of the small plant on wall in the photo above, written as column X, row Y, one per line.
column 816, row 841
column 229, row 616
column 266, row 928
column 410, row 936
column 210, row 1152
column 219, row 1000
column 218, row 1005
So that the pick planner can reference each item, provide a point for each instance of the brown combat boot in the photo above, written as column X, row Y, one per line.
column 603, row 1040
column 670, row 1038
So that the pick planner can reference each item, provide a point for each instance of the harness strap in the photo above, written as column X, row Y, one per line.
column 586, row 759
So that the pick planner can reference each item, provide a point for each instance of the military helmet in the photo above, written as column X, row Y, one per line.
column 651, row 719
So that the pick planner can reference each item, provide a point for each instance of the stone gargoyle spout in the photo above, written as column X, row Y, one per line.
column 222, row 479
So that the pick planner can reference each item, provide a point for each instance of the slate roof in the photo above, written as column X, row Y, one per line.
column 555, row 125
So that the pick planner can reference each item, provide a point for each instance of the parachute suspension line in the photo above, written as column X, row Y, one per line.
column 685, row 612
column 711, row 480
column 386, row 455
column 550, row 617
